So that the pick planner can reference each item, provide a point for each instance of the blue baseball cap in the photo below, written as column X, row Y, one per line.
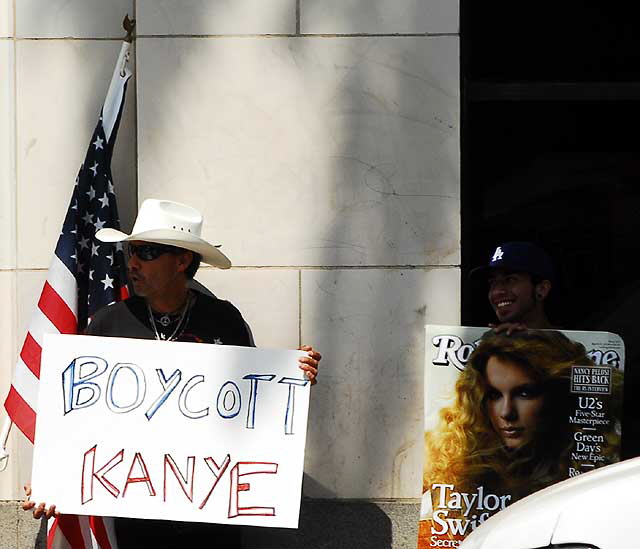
column 518, row 257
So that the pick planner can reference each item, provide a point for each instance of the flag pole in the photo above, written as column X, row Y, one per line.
column 4, row 437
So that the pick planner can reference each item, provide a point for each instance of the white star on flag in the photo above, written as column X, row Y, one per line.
column 88, row 218
column 104, row 200
column 111, row 188
column 94, row 250
column 91, row 271
column 99, row 224
column 94, row 169
column 83, row 242
column 91, row 193
column 108, row 282
column 110, row 258
column 98, row 143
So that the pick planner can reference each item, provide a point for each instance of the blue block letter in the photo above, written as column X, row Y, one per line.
column 75, row 381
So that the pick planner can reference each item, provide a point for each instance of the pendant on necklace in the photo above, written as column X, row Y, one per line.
column 165, row 320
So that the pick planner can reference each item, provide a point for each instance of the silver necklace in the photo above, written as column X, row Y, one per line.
column 165, row 320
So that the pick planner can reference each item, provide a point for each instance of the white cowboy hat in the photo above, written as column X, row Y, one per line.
column 171, row 223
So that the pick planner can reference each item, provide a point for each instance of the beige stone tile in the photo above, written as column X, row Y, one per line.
column 369, row 326
column 7, row 157
column 379, row 16
column 176, row 17
column 311, row 151
column 268, row 300
column 7, row 329
column 73, row 18
column 53, row 136
column 9, row 479
column 6, row 18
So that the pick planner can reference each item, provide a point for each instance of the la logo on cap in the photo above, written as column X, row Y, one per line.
column 497, row 254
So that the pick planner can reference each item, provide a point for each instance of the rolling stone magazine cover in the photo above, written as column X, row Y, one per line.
column 506, row 416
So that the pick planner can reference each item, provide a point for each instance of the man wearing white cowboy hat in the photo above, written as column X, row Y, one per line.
column 165, row 250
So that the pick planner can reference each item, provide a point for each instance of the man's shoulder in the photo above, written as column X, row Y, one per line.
column 214, row 304
column 115, row 308
column 115, row 319
column 220, row 321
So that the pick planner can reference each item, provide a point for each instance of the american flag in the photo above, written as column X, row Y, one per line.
column 84, row 276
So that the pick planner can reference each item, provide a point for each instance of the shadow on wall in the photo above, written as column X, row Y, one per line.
column 372, row 340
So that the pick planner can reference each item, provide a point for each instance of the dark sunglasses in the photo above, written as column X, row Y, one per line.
column 149, row 252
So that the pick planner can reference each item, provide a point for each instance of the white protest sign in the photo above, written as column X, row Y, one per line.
column 177, row 431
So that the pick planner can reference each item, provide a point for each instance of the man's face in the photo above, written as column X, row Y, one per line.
column 512, row 295
column 155, row 277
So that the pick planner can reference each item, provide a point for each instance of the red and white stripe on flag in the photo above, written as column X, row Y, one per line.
column 55, row 313
column 72, row 531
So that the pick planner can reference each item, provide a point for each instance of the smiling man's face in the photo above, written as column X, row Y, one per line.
column 512, row 295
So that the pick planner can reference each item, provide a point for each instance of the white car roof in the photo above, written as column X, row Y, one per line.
column 599, row 508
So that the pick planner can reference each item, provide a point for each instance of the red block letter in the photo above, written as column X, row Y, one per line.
column 144, row 478
column 217, row 473
column 191, row 463
column 89, row 473
column 242, row 469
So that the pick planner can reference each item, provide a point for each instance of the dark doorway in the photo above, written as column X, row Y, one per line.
column 551, row 153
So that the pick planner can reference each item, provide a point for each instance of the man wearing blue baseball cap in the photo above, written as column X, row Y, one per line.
column 520, row 277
